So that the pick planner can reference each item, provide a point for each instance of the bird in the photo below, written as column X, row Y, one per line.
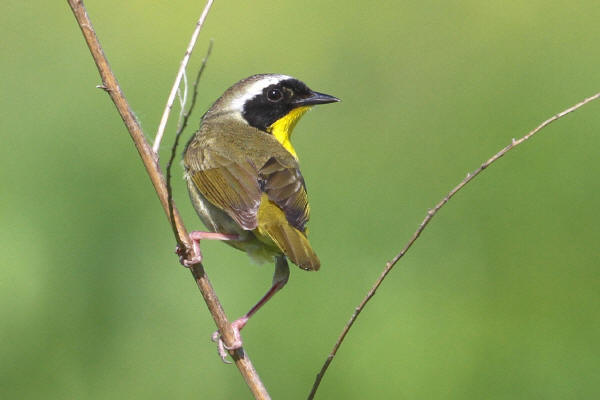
column 244, row 179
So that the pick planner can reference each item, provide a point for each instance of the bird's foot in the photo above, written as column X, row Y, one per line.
column 184, row 257
column 196, row 236
column 222, row 348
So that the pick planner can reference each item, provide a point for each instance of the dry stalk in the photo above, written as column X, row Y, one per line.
column 149, row 158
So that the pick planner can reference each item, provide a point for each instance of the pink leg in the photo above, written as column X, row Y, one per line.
column 280, row 278
column 196, row 236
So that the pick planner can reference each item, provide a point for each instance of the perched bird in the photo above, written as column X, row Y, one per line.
column 244, row 179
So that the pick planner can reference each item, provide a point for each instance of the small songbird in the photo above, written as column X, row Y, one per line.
column 244, row 179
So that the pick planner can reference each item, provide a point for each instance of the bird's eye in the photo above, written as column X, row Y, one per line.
column 274, row 95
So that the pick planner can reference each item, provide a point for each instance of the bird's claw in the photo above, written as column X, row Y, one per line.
column 184, row 258
column 194, row 260
column 222, row 348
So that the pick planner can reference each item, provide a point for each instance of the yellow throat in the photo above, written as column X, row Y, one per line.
column 283, row 127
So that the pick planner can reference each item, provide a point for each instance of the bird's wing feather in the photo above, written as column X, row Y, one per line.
column 285, row 187
column 273, row 224
column 261, row 188
column 236, row 187
column 231, row 186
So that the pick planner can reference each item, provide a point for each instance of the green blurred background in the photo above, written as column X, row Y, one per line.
column 499, row 298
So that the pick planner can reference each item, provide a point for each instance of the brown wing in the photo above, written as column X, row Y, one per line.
column 237, row 187
column 266, row 195
column 231, row 186
column 285, row 187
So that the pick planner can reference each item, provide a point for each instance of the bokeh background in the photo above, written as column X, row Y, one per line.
column 499, row 298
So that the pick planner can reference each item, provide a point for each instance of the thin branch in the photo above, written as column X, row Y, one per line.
column 430, row 214
column 182, row 125
column 184, row 62
column 111, row 86
column 182, row 98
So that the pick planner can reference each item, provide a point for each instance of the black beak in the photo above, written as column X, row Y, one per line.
column 315, row 98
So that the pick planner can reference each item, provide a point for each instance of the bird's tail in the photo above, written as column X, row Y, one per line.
column 272, row 224
column 294, row 245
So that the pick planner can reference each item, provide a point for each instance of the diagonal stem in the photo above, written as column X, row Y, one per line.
column 111, row 86
column 180, row 73
column 430, row 214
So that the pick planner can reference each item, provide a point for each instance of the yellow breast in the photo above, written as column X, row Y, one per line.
column 283, row 127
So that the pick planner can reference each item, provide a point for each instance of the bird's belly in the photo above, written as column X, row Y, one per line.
column 216, row 220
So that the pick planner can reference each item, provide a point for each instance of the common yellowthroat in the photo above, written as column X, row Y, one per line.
column 244, row 179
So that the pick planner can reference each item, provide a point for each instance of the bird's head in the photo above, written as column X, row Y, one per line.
column 271, row 103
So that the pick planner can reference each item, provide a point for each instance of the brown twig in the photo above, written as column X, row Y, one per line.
column 184, row 62
column 111, row 86
column 430, row 214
